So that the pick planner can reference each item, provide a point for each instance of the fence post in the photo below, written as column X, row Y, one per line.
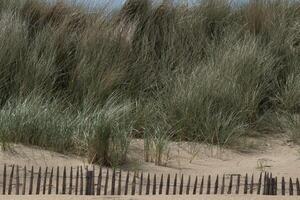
column 208, row 185
column 251, row 184
column 45, row 181
column 50, row 181
column 201, row 185
column 291, row 187
column 216, row 185
column 259, row 183
column 24, row 181
column 11, row 179
column 223, row 184
column 17, row 181
column 168, row 185
column 230, row 185
column 188, row 185
column 89, row 182
column 175, row 185
column 237, row 191
column 161, row 184
column 181, row 185
column 246, row 184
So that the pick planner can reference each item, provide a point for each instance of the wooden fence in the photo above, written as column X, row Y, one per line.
column 102, row 181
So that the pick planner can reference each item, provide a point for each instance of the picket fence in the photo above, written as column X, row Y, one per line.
column 83, row 180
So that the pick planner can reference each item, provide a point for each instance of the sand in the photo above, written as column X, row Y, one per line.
column 278, row 156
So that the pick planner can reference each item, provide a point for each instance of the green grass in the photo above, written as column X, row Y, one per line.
column 83, row 82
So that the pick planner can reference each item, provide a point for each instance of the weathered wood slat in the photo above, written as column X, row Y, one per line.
column 168, row 185
column 39, row 178
column 17, row 181
column 291, row 187
column 223, row 184
column 283, row 186
column 246, row 184
column 127, row 182
column 45, row 180
column 93, row 181
column 154, row 185
column 161, row 184
column 208, row 185
column 89, row 182
column 216, row 185
column 175, row 185
column 50, row 182
column 188, row 186
column 31, row 181
column 201, row 186
column 57, row 181
column 148, row 185
column 4, row 180
column 64, row 181
column 237, row 191
column 276, row 185
column 71, row 181
column 99, row 182
column 259, row 184
column 141, row 184
column 113, row 182
column 120, row 182
column 298, row 187
column 24, row 181
column 76, row 180
column 251, row 184
column 11, row 179
column 265, row 184
column 81, row 180
column 181, row 185
column 230, row 185
column 195, row 186
column 133, row 186
column 106, row 181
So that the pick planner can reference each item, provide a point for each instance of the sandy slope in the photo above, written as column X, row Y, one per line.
column 277, row 156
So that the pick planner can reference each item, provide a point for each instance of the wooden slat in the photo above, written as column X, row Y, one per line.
column 71, row 181
column 237, row 191
column 45, row 180
column 161, row 184
column 24, row 181
column 31, row 181
column 201, row 186
column 120, row 182
column 246, row 184
column 4, row 180
column 208, row 184
column 168, row 185
column 57, row 181
column 11, row 179
column 216, row 185
column 283, row 186
column 223, row 184
column 270, row 185
column 113, row 182
column 17, row 181
column 81, row 180
column 259, row 184
column 148, row 185
column 106, row 181
column 188, row 186
column 64, row 181
column 76, row 180
column 93, row 181
column 181, row 185
column 50, row 182
column 291, row 188
column 230, row 185
column 265, row 191
column 89, row 182
column 141, row 184
column 175, row 185
column 298, row 186
column 99, row 182
column 195, row 185
column 126, row 183
column 154, row 185
column 38, row 186
column 276, row 185
column 251, row 184
column 133, row 186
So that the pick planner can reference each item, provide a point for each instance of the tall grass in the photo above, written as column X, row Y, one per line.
column 211, row 73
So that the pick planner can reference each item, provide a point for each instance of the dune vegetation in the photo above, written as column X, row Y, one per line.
column 87, row 82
